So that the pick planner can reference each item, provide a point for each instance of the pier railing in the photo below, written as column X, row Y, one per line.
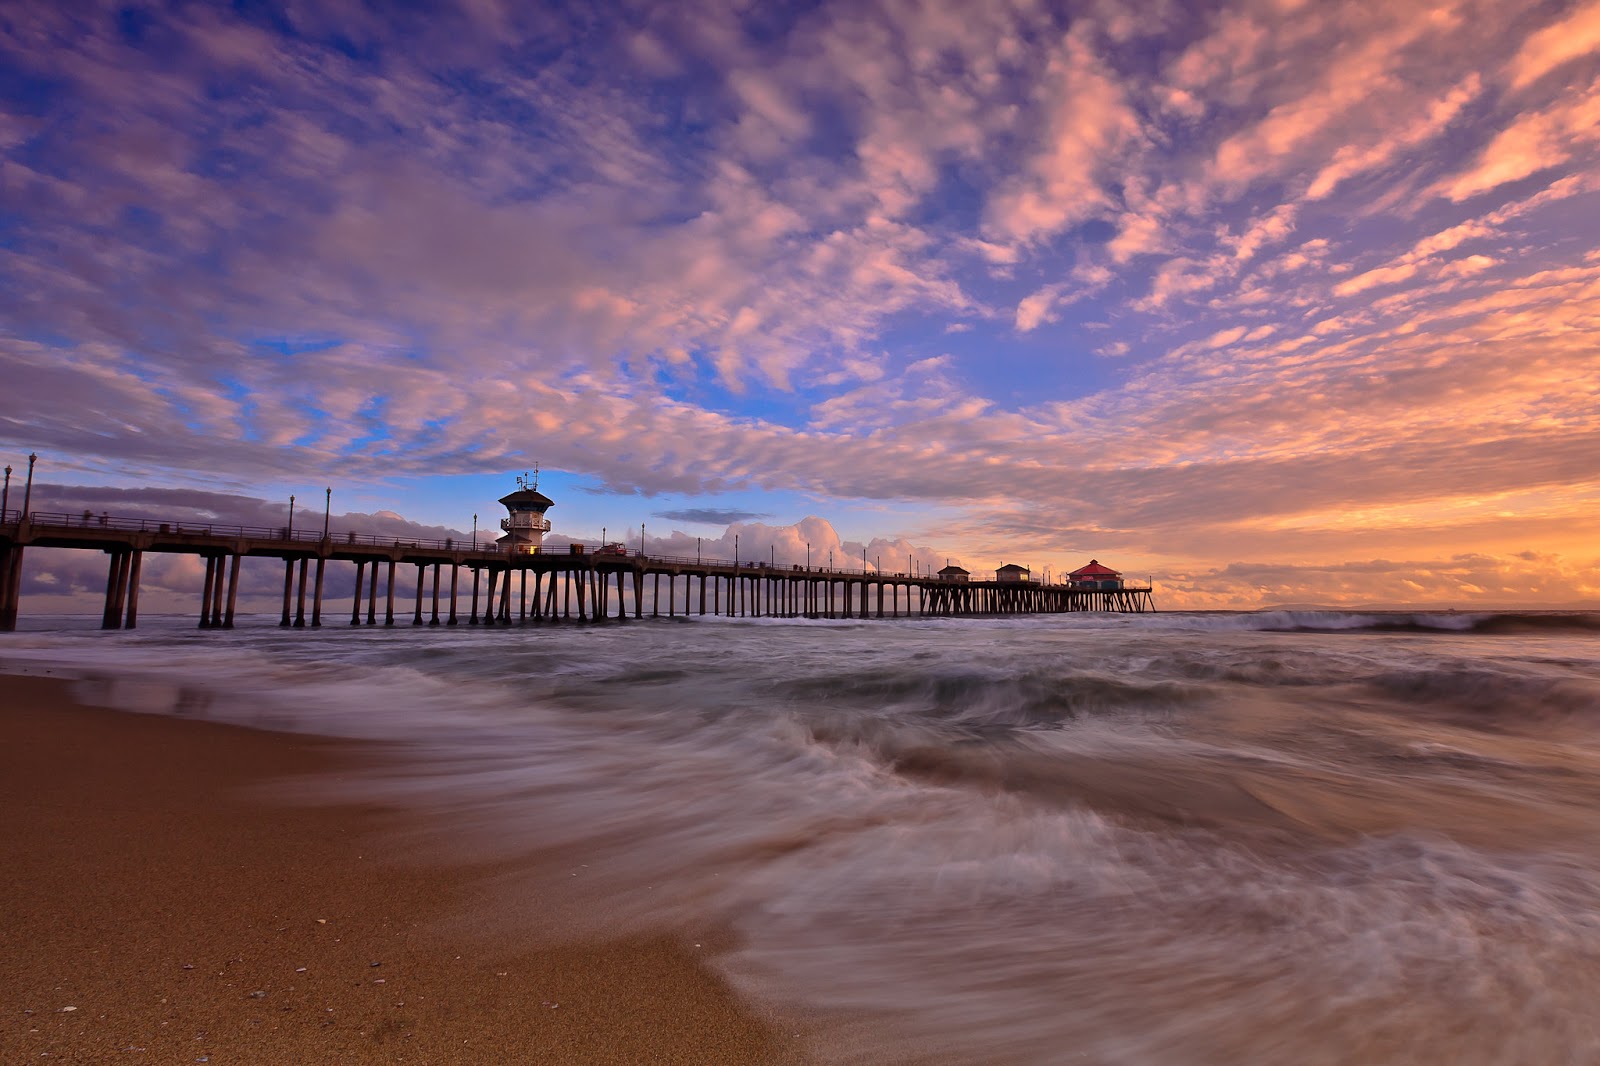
column 598, row 550
column 582, row 571
column 46, row 520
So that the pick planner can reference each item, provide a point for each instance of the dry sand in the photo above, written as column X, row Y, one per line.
column 155, row 906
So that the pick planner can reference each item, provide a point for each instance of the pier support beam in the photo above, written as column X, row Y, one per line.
column 216, row 597
column 355, row 601
column 10, row 586
column 288, row 589
column 116, row 576
column 205, row 592
column 416, row 614
column 136, row 564
column 455, row 569
column 300, row 594
column 472, row 619
column 233, row 588
column 488, row 611
column 316, row 596
column 388, row 609
column 434, row 618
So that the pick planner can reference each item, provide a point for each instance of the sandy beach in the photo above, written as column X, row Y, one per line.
column 158, row 904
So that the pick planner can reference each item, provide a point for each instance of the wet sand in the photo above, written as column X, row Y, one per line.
column 158, row 904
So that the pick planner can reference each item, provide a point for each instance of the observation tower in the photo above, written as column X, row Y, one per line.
column 526, row 525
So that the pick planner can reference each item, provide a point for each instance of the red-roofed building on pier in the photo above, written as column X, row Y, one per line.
column 1095, row 576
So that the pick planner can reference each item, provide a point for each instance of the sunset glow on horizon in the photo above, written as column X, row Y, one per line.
column 1274, row 302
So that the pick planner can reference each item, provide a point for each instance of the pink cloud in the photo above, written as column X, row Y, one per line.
column 1556, row 45
column 1088, row 125
column 1532, row 142
column 1034, row 310
column 1351, row 160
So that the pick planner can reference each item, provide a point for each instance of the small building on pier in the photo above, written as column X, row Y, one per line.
column 954, row 573
column 526, row 525
column 1095, row 576
column 1013, row 572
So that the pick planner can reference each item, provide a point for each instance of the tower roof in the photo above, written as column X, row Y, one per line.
column 527, row 500
column 1094, row 569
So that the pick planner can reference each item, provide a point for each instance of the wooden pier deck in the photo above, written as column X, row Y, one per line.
column 594, row 585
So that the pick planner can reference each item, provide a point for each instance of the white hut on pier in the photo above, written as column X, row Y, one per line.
column 526, row 525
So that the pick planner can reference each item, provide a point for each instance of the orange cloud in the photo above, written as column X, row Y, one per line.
column 1575, row 36
column 1533, row 142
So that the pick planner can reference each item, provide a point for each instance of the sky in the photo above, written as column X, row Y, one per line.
column 1273, row 302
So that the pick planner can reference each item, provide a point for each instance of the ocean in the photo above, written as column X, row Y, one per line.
column 1211, row 838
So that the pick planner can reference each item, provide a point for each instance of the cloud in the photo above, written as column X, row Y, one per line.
column 1351, row 160
column 1555, row 45
column 1373, row 278
column 1034, row 310
column 1289, row 252
column 1531, row 143
column 708, row 516
column 1088, row 125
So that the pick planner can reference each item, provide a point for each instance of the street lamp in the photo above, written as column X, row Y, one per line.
column 736, row 551
column 5, row 496
column 697, row 551
column 291, row 516
column 808, row 555
column 474, row 536
column 327, row 508
column 27, row 492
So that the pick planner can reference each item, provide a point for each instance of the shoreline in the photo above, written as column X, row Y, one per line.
column 162, row 879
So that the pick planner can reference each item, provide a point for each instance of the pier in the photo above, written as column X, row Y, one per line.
column 501, row 586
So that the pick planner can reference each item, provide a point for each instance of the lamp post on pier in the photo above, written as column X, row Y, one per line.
column 808, row 555
column 474, row 532
column 5, row 496
column 291, row 517
column 697, row 551
column 327, row 509
column 27, row 491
